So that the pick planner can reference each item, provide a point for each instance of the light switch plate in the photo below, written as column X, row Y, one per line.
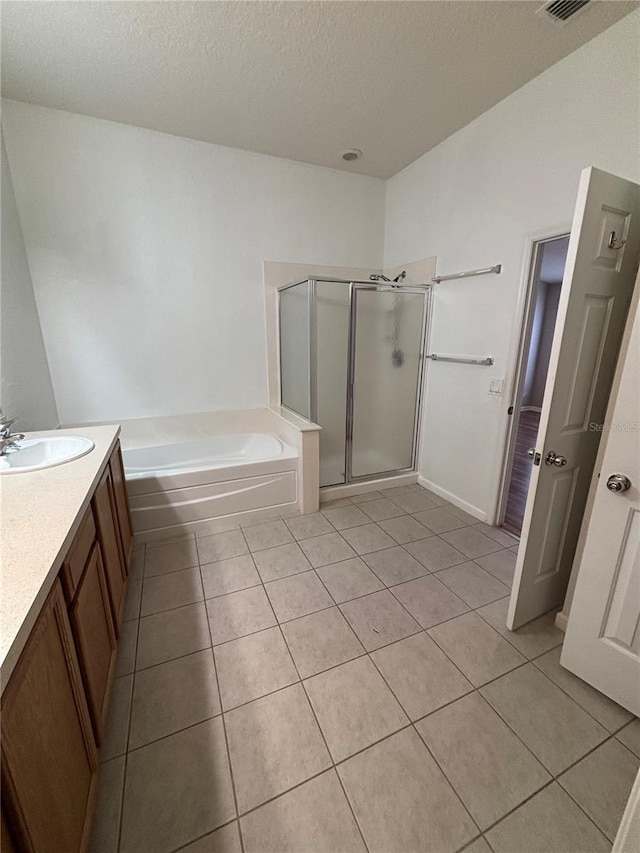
column 496, row 387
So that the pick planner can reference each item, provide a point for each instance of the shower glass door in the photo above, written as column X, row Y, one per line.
column 295, row 348
column 331, row 364
column 386, row 370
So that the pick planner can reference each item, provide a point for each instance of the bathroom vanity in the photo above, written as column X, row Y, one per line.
column 66, row 542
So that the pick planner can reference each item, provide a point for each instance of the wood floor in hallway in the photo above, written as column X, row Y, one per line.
column 521, row 472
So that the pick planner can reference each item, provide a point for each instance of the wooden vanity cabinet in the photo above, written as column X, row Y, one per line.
column 49, row 760
column 55, row 704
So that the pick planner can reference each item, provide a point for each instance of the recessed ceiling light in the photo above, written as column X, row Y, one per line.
column 351, row 154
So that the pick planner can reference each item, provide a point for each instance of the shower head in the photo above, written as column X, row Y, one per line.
column 378, row 277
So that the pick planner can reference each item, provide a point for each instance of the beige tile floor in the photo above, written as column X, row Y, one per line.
column 344, row 681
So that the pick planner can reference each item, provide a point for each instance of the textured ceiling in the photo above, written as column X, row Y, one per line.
column 302, row 80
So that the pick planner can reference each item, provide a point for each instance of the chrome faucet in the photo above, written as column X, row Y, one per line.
column 8, row 440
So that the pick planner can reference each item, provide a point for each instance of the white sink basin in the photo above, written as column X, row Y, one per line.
column 35, row 453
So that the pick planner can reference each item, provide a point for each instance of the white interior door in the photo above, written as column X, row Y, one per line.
column 602, row 644
column 594, row 301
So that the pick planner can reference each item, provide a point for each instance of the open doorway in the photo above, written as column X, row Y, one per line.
column 547, row 270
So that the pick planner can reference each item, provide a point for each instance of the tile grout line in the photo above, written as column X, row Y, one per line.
column 207, row 834
column 324, row 740
column 575, row 763
column 475, row 689
column 569, row 696
column 389, row 588
column 549, row 783
column 224, row 722
column 126, row 754
column 553, row 777
column 611, row 736
column 412, row 725
column 364, row 653
column 338, row 606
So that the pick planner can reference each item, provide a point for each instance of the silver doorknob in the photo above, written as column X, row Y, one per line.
column 553, row 459
column 618, row 483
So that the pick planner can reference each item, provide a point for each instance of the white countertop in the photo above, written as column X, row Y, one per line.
column 40, row 512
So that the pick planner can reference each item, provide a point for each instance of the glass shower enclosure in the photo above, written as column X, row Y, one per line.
column 352, row 360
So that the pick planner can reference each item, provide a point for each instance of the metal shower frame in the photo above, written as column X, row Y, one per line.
column 356, row 285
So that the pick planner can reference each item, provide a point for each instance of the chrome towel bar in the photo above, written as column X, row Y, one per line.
column 497, row 269
column 462, row 359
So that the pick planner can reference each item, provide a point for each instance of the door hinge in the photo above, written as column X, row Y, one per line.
column 510, row 410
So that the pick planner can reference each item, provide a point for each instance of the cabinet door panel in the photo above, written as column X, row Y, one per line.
column 94, row 634
column 49, row 761
column 122, row 504
column 105, row 514
column 76, row 559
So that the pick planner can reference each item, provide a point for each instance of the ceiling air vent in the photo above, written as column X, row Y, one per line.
column 562, row 11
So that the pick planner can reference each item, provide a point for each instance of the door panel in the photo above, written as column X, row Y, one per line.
column 593, row 337
column 594, row 300
column 331, row 364
column 122, row 505
column 92, row 626
column 295, row 366
column 622, row 614
column 387, row 330
column 104, row 510
column 555, row 529
column 602, row 643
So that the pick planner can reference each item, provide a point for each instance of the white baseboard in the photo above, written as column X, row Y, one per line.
column 530, row 409
column 561, row 621
column 480, row 514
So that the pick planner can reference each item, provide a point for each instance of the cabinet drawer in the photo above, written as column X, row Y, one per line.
column 78, row 555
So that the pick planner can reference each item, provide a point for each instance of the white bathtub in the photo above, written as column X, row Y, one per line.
column 218, row 451
column 204, row 484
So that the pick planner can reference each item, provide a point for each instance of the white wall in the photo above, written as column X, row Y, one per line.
column 146, row 256
column 474, row 201
column 25, row 383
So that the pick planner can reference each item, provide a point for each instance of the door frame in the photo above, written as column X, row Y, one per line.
column 519, row 358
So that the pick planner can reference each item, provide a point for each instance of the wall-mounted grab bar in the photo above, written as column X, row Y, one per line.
column 462, row 359
column 497, row 269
